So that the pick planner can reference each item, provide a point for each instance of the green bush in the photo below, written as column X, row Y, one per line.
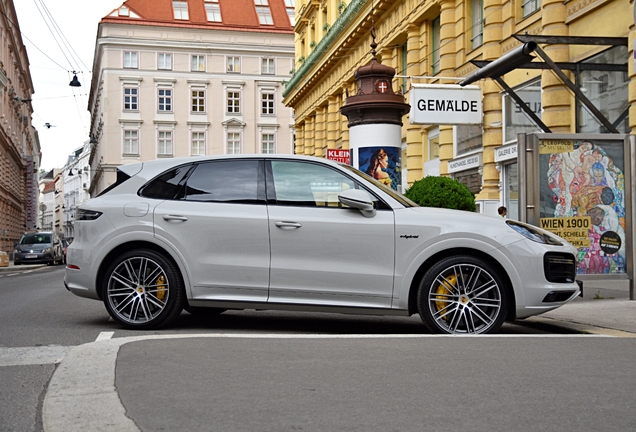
column 441, row 192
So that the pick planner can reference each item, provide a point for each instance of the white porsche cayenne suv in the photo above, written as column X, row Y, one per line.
column 209, row 234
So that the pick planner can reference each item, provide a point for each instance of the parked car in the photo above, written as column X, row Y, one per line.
column 37, row 248
column 303, row 233
column 64, row 248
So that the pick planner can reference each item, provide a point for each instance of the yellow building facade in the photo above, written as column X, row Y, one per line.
column 435, row 42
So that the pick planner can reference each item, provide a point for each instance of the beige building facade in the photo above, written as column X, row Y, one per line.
column 436, row 42
column 170, row 80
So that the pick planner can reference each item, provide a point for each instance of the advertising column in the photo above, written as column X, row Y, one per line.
column 375, row 121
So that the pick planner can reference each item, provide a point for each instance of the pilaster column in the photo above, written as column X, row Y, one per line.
column 414, row 146
column 333, row 111
column 319, row 134
column 556, row 99
column 492, row 135
column 309, row 135
column 299, row 146
column 447, row 68
column 344, row 131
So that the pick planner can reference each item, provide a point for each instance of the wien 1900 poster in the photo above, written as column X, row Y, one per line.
column 583, row 199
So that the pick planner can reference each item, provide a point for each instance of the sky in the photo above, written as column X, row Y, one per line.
column 59, row 36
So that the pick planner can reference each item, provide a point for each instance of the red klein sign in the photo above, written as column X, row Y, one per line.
column 339, row 156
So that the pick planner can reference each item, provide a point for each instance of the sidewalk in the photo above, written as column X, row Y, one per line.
column 13, row 267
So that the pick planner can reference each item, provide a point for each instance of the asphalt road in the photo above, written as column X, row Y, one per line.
column 251, row 370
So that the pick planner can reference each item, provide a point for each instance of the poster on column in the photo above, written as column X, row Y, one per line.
column 582, row 186
column 382, row 163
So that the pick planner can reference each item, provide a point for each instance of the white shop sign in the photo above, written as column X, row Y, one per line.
column 445, row 104
column 506, row 152
column 465, row 163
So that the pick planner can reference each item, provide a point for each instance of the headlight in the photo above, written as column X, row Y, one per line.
column 47, row 250
column 82, row 214
column 533, row 233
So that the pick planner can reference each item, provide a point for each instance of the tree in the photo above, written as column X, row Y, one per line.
column 441, row 192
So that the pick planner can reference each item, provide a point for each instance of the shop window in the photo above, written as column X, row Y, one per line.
column 468, row 138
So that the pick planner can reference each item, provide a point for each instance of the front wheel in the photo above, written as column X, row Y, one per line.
column 462, row 295
column 143, row 290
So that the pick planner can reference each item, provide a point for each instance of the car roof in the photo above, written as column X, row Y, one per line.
column 158, row 165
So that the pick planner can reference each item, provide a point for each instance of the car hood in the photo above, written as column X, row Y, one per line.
column 440, row 222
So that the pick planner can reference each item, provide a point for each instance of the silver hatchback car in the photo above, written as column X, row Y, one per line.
column 302, row 233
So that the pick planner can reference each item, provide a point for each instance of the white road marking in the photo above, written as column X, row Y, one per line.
column 21, row 356
column 104, row 336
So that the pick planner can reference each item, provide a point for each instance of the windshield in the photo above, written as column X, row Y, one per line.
column 35, row 239
column 393, row 193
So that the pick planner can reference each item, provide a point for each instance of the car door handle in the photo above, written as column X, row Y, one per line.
column 174, row 218
column 288, row 225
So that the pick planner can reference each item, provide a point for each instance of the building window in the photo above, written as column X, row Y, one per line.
column 198, row 101
column 165, row 99
column 131, row 142
column 165, row 143
column 198, row 63
column 268, row 66
column 515, row 119
column 267, row 103
column 468, row 138
column 603, row 83
column 268, row 143
column 263, row 12
column 530, row 6
column 180, row 9
column 435, row 45
column 289, row 6
column 164, row 61
column 131, row 98
column 233, row 143
column 234, row 64
column 477, row 23
column 213, row 10
column 233, row 102
column 130, row 60
column 198, row 143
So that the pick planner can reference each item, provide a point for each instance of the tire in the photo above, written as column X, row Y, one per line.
column 462, row 294
column 142, row 290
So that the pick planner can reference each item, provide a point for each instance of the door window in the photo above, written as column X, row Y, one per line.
column 307, row 184
column 238, row 182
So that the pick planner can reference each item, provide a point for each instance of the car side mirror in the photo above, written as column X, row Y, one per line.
column 358, row 199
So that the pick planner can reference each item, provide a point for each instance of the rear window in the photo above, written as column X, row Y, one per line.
column 121, row 178
column 168, row 185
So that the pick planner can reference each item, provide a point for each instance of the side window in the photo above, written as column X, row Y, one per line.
column 237, row 181
column 168, row 185
column 307, row 184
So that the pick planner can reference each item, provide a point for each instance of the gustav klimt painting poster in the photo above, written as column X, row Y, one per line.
column 582, row 184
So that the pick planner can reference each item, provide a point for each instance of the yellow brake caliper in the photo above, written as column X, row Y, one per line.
column 161, row 288
column 444, row 288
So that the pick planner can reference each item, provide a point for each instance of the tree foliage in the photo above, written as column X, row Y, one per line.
column 441, row 192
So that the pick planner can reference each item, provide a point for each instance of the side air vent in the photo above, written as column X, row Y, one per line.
column 559, row 267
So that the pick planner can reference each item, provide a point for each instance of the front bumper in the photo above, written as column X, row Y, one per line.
column 33, row 258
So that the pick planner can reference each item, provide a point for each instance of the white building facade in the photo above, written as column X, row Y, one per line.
column 187, row 78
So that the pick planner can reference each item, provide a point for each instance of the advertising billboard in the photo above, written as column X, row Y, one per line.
column 579, row 187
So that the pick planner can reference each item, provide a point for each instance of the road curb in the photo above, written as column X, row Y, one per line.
column 573, row 326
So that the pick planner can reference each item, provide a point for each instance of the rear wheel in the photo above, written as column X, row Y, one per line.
column 462, row 295
column 143, row 290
